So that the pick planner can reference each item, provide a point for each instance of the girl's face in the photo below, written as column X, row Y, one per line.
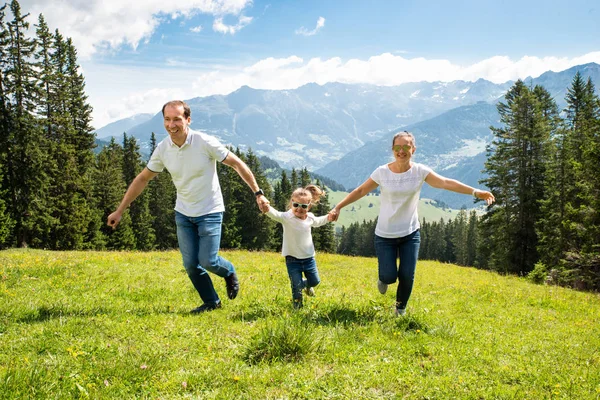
column 300, row 206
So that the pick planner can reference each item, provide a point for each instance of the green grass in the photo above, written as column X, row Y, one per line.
column 367, row 209
column 115, row 325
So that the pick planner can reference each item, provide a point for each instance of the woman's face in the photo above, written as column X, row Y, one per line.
column 403, row 148
column 300, row 206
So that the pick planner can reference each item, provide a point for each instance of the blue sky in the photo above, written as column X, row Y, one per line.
column 137, row 54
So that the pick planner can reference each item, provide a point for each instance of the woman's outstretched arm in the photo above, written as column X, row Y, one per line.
column 361, row 191
column 441, row 182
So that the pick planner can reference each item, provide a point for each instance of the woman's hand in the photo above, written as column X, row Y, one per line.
column 484, row 195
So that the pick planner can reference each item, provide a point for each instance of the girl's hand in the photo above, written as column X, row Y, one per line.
column 263, row 204
column 333, row 215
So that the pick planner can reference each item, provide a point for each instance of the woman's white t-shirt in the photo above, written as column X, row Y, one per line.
column 398, row 216
column 297, row 236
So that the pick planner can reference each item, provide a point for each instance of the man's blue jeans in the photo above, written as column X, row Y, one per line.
column 388, row 252
column 199, row 240
column 297, row 266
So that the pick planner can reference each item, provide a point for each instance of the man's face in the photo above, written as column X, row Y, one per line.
column 176, row 123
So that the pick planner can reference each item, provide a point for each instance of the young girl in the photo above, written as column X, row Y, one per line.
column 298, row 248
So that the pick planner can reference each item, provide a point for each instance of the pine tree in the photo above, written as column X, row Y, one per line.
column 304, row 178
column 141, row 219
column 437, row 241
column 232, row 189
column 472, row 239
column 6, row 222
column 257, row 231
column 294, row 179
column 516, row 170
column 570, row 228
column 109, row 187
column 459, row 238
column 162, row 196
column 323, row 236
column 281, row 198
column 27, row 150
column 424, row 247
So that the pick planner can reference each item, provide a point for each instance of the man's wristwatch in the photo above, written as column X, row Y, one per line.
column 259, row 193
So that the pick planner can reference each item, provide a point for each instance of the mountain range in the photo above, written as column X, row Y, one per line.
column 342, row 130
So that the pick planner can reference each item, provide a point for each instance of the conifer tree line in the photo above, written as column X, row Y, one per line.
column 55, row 192
column 453, row 241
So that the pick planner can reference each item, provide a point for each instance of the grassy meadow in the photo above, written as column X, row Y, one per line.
column 367, row 209
column 115, row 325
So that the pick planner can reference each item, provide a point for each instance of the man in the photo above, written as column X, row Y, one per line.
column 190, row 157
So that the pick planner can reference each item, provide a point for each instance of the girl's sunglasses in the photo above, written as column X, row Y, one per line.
column 296, row 205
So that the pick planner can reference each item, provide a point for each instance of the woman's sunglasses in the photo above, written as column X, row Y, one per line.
column 405, row 147
column 296, row 205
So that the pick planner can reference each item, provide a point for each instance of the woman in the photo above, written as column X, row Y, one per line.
column 397, row 231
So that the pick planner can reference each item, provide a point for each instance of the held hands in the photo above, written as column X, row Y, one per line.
column 333, row 215
column 488, row 197
column 263, row 203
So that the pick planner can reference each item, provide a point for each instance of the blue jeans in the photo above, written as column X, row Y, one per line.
column 388, row 252
column 199, row 239
column 296, row 267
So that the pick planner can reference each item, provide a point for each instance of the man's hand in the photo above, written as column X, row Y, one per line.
column 263, row 203
column 114, row 219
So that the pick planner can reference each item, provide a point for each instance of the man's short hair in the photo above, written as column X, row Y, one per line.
column 187, row 112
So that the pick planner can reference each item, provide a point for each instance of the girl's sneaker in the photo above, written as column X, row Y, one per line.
column 400, row 312
column 310, row 291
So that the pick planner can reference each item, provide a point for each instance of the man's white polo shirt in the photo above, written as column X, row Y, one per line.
column 193, row 168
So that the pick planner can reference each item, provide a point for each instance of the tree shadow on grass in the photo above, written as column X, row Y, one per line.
column 48, row 312
column 45, row 313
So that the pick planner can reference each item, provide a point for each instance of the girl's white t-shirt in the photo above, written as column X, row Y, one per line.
column 297, row 236
column 398, row 216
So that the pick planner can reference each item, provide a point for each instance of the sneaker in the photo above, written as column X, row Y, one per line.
column 382, row 287
column 310, row 291
column 297, row 304
column 206, row 307
column 400, row 312
column 233, row 285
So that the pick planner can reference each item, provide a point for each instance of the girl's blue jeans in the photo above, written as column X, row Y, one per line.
column 296, row 267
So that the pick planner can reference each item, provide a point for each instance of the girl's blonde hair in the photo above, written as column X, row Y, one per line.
column 312, row 191
column 407, row 134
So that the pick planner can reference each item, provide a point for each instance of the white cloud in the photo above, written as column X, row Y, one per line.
column 97, row 25
column 196, row 29
column 150, row 101
column 291, row 72
column 219, row 26
column 306, row 32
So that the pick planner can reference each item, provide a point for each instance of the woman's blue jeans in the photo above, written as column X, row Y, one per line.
column 297, row 266
column 389, row 251
column 199, row 240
